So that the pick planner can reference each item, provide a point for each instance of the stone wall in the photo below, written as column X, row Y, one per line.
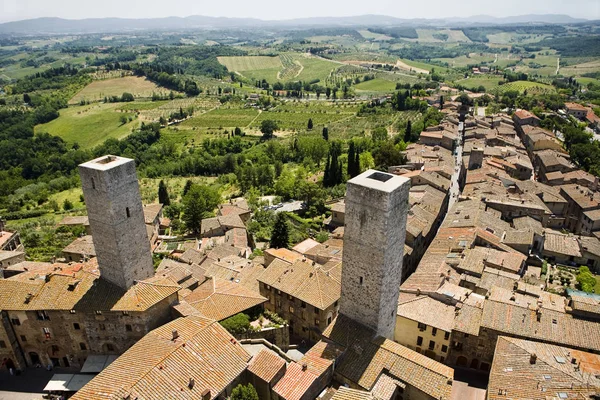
column 305, row 321
column 279, row 336
column 66, row 338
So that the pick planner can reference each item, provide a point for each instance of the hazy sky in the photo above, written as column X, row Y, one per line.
column 11, row 10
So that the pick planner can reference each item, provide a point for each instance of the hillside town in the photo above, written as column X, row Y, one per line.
column 458, row 267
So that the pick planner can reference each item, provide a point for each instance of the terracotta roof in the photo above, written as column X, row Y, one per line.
column 366, row 357
column 312, row 367
column 203, row 357
column 219, row 299
column 340, row 207
column 5, row 254
column 524, row 114
column 344, row 393
column 585, row 304
column 83, row 245
column 554, row 327
column 266, row 365
column 584, row 197
column 192, row 256
column 428, row 311
column 284, row 254
column 305, row 245
column 79, row 287
column 558, row 243
column 530, row 370
column 151, row 212
column 230, row 209
column 387, row 388
column 575, row 106
column 75, row 220
column 306, row 281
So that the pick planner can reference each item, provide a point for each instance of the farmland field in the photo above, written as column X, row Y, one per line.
column 293, row 116
column 376, row 85
column 374, row 36
column 222, row 118
column 250, row 63
column 137, row 86
column 286, row 67
column 89, row 125
column 489, row 82
column 521, row 86
column 166, row 108
column 427, row 35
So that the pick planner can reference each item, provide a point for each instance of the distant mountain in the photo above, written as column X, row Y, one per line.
column 520, row 19
column 101, row 25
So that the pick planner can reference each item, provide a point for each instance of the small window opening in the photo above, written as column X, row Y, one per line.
column 127, row 211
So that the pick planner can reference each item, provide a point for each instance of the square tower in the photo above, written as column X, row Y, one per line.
column 374, row 233
column 116, row 215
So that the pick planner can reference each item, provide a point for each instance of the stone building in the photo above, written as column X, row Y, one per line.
column 304, row 293
column 116, row 216
column 376, row 211
column 68, row 312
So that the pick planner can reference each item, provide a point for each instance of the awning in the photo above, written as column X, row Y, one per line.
column 96, row 363
column 67, row 382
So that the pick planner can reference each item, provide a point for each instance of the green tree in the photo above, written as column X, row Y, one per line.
column 238, row 323
column 268, row 127
column 123, row 119
column 187, row 187
column 310, row 124
column 379, row 134
column 163, row 194
column 586, row 280
column 387, row 155
column 198, row 203
column 408, row 132
column 127, row 97
column 67, row 205
column 353, row 160
column 280, row 235
column 241, row 392
column 325, row 133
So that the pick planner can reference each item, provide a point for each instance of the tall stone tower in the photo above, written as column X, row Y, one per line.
column 376, row 210
column 116, row 215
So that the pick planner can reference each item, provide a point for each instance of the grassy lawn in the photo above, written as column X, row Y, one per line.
column 97, row 90
column 89, row 125
column 73, row 195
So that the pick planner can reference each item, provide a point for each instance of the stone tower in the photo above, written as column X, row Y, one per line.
column 476, row 158
column 116, row 215
column 375, row 229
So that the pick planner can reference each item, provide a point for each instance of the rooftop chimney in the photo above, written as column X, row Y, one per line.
column 175, row 334
column 532, row 358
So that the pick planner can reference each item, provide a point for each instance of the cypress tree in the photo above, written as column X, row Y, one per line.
column 408, row 132
column 325, row 133
column 163, row 194
column 280, row 236
column 310, row 124
column 350, row 167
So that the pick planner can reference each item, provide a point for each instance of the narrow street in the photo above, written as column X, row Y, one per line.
column 454, row 186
